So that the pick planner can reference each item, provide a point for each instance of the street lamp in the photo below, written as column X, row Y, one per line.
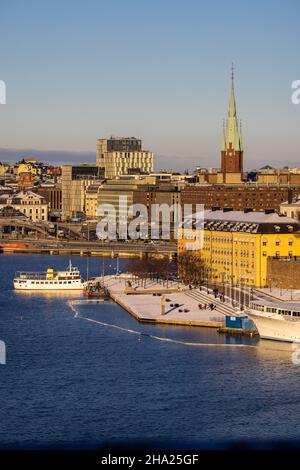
column 270, row 281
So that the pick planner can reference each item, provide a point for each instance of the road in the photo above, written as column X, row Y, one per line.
column 98, row 246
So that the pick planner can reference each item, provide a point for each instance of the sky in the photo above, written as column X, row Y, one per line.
column 76, row 71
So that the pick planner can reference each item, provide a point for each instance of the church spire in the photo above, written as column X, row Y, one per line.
column 232, row 130
column 232, row 107
column 232, row 146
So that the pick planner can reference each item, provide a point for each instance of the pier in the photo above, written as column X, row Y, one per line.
column 166, row 302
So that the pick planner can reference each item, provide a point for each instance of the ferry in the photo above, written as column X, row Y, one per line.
column 276, row 320
column 50, row 280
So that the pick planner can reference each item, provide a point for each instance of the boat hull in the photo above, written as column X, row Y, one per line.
column 51, row 287
column 277, row 329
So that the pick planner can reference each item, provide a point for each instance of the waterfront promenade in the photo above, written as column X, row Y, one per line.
column 168, row 302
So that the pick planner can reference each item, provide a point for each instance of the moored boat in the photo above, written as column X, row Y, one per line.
column 278, row 321
column 50, row 280
column 95, row 289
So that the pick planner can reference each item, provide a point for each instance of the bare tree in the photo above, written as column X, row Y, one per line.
column 191, row 268
column 152, row 267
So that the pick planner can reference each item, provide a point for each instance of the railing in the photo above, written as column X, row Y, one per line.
column 30, row 275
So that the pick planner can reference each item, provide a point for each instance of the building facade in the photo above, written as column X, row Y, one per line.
column 291, row 208
column 144, row 190
column 75, row 181
column 92, row 200
column 283, row 273
column 238, row 197
column 123, row 156
column 25, row 181
column 53, row 195
column 237, row 245
column 32, row 205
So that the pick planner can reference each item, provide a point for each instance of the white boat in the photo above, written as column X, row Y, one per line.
column 50, row 280
column 278, row 321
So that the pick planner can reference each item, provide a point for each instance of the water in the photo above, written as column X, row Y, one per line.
column 73, row 383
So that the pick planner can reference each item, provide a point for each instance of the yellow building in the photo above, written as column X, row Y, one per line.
column 3, row 169
column 236, row 244
column 30, row 166
column 91, row 200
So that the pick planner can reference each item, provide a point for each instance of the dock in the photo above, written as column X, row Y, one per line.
column 166, row 302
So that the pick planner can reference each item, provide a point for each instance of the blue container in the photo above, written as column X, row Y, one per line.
column 241, row 322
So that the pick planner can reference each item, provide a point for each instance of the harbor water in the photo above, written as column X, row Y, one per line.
column 82, row 374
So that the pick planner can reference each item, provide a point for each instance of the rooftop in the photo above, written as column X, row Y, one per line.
column 239, row 221
column 294, row 202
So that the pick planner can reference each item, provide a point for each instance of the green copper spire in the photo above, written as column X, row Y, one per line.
column 232, row 107
column 232, row 135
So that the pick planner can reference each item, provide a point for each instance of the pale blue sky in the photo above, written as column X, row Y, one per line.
column 159, row 70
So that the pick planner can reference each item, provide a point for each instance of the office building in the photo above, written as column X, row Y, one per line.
column 75, row 181
column 123, row 156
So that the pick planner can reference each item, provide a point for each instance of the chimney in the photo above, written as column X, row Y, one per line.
column 269, row 211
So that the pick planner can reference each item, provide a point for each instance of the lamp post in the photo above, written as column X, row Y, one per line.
column 270, row 285
column 223, row 282
column 232, row 289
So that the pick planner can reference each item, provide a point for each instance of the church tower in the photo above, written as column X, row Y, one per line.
column 232, row 146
